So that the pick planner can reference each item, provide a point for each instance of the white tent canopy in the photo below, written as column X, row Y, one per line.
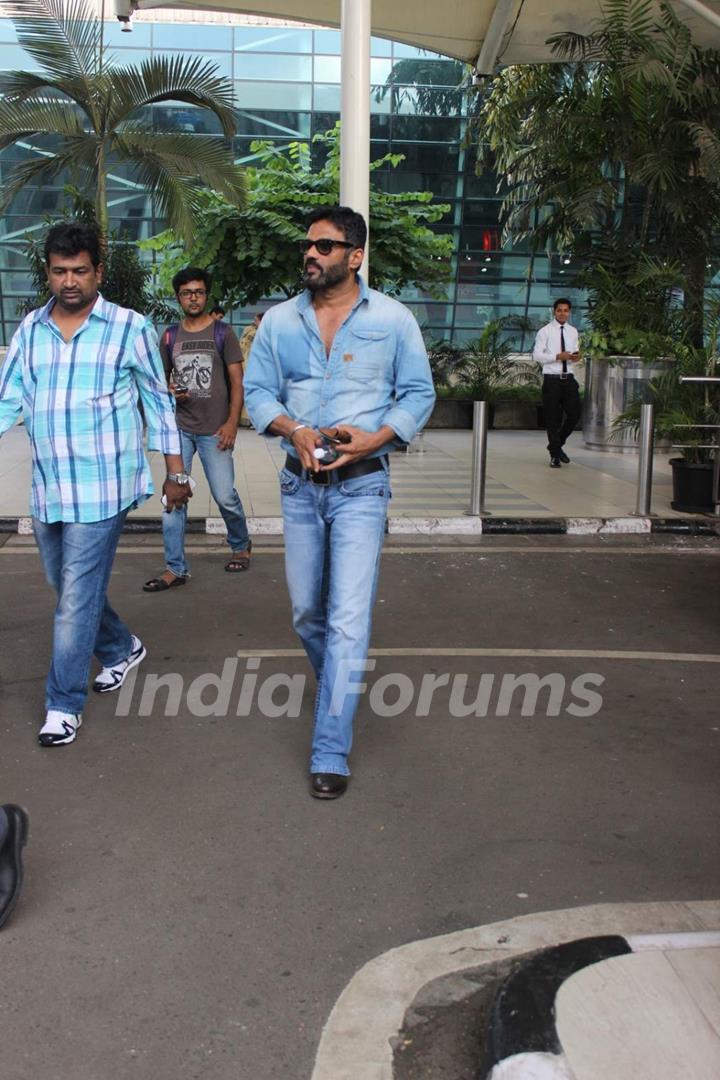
column 484, row 33
column 458, row 28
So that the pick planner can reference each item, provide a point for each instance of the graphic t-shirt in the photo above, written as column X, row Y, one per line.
column 197, row 364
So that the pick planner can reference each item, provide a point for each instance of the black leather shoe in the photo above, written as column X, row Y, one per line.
column 327, row 785
column 555, row 463
column 564, row 458
column 11, row 873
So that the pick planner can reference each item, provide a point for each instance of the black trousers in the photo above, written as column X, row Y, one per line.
column 561, row 402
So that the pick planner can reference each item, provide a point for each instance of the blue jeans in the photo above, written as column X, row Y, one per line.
column 333, row 539
column 78, row 560
column 220, row 473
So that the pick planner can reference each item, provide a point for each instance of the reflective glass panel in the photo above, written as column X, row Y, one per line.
column 280, row 67
column 268, row 95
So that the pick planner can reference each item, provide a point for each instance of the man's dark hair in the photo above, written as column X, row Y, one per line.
column 562, row 300
column 344, row 218
column 70, row 238
column 191, row 273
column 217, row 309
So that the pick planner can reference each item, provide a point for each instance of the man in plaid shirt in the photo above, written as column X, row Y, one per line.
column 75, row 370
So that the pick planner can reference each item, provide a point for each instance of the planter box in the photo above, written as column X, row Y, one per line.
column 516, row 415
column 451, row 413
column 692, row 487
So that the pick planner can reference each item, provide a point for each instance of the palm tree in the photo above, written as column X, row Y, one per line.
column 94, row 109
column 617, row 145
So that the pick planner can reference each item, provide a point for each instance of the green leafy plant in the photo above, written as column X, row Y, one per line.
column 93, row 110
column 684, row 413
column 619, row 142
column 253, row 252
column 488, row 367
column 633, row 308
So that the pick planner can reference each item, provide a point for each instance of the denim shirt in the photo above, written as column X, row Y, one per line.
column 377, row 372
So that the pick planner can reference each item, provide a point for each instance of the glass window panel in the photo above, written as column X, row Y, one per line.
column 283, row 39
column 327, row 69
column 327, row 98
column 273, row 125
column 267, row 95
column 380, row 103
column 380, row 129
column 327, row 41
column 185, row 118
column 14, row 58
column 380, row 47
column 175, row 37
column 128, row 57
column 429, row 157
column 283, row 67
column 324, row 121
column 379, row 70
column 7, row 31
column 426, row 129
column 442, row 186
column 399, row 49
column 139, row 37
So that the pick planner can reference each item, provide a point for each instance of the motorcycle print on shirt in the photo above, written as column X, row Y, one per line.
column 193, row 368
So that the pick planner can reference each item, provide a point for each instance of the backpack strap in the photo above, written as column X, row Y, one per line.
column 169, row 339
column 219, row 334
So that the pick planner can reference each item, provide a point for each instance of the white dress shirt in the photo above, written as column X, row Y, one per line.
column 548, row 345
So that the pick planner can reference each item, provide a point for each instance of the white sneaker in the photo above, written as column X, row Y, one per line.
column 112, row 678
column 59, row 728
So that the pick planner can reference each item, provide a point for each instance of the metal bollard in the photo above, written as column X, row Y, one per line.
column 645, row 463
column 479, row 458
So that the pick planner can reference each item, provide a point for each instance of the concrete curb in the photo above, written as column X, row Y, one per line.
column 356, row 1040
column 442, row 526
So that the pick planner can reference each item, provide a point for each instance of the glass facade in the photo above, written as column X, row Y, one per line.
column 287, row 87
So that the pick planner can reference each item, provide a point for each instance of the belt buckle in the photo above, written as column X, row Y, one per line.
column 566, row 375
column 321, row 478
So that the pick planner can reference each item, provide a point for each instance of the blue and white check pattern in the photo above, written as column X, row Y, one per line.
column 79, row 400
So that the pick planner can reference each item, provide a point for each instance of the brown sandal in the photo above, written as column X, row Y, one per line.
column 239, row 563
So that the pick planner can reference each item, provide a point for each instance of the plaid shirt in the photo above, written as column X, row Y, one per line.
column 79, row 402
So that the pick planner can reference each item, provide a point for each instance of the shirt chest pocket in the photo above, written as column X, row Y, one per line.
column 370, row 358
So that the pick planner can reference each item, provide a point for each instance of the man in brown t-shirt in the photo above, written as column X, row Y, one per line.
column 203, row 363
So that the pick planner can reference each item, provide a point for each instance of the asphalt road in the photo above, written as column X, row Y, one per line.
column 190, row 912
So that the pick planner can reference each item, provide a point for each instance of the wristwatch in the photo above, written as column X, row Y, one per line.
column 179, row 478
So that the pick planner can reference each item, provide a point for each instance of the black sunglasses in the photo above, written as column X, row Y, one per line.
column 324, row 246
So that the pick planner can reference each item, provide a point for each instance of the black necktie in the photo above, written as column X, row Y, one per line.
column 562, row 349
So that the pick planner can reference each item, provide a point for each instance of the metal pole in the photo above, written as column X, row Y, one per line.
column 645, row 464
column 355, row 108
column 479, row 459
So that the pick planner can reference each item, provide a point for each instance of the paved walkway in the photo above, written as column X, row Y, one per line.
column 434, row 483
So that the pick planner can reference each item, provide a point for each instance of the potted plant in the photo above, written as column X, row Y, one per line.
column 684, row 414
column 481, row 370
column 634, row 324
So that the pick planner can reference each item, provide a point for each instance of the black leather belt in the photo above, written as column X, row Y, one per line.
column 568, row 376
column 336, row 476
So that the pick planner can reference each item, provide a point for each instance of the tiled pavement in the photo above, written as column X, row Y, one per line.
column 432, row 483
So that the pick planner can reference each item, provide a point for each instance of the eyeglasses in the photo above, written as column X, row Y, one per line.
column 324, row 245
column 186, row 294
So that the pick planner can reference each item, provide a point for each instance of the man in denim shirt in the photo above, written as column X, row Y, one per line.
column 345, row 358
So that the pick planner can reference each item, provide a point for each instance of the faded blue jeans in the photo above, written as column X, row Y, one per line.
column 220, row 473
column 333, row 540
column 78, row 559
